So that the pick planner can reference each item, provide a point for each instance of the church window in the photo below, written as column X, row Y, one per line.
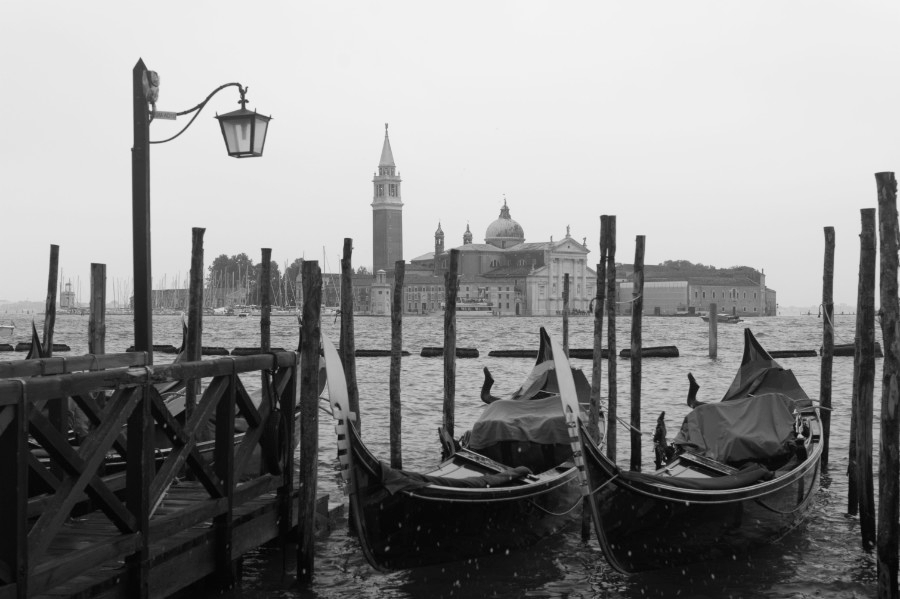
column 393, row 189
column 541, row 290
column 380, row 190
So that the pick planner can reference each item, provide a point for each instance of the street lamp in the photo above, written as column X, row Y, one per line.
column 245, row 136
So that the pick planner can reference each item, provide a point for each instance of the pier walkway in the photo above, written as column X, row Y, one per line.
column 150, row 501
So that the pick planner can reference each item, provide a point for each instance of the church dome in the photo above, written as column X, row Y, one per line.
column 504, row 232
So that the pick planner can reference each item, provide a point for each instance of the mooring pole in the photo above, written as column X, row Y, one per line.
column 348, row 343
column 637, row 309
column 594, row 414
column 611, row 392
column 889, row 451
column 309, row 420
column 396, row 356
column 451, row 284
column 713, row 330
column 597, row 371
column 56, row 410
column 50, row 305
column 827, row 344
column 864, row 380
column 97, row 318
column 265, row 301
column 194, row 344
column 565, row 314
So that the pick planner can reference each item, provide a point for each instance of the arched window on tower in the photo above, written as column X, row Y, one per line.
column 380, row 190
column 393, row 189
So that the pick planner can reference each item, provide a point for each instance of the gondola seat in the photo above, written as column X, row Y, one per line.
column 400, row 480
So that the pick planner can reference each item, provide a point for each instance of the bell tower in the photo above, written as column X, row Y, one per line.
column 438, row 246
column 387, row 212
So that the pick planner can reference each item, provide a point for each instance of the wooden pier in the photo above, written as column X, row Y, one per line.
column 147, row 503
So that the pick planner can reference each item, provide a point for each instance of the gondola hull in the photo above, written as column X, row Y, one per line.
column 643, row 526
column 435, row 523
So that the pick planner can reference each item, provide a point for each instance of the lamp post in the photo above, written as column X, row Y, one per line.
column 245, row 136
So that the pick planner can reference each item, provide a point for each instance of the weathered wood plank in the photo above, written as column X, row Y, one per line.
column 62, row 365
column 49, row 387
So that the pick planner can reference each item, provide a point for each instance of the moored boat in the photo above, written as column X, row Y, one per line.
column 743, row 474
column 511, row 482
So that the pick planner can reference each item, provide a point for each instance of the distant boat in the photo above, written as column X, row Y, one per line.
column 7, row 330
column 476, row 309
column 726, row 318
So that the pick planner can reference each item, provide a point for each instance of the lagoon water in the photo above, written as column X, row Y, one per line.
column 821, row 559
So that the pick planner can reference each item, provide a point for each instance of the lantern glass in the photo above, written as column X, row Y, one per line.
column 244, row 132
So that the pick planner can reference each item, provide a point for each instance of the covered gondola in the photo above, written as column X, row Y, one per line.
column 743, row 474
column 510, row 483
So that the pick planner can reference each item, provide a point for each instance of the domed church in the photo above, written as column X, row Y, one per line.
column 510, row 275
column 504, row 276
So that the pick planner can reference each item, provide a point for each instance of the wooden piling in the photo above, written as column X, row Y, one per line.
column 637, row 308
column 593, row 427
column 597, row 364
column 50, row 306
column 396, row 348
column 713, row 330
column 347, row 347
column 827, row 344
column 864, row 381
column 451, row 284
column 194, row 344
column 309, row 419
column 97, row 318
column 565, row 314
column 265, row 300
column 612, row 394
column 889, row 449
column 56, row 410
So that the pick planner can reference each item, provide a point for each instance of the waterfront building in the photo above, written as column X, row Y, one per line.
column 739, row 291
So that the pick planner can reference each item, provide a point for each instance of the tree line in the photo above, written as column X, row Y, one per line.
column 239, row 279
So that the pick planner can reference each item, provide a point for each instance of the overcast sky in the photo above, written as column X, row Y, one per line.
column 728, row 133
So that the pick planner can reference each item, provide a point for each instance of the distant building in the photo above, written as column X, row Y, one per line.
column 387, row 212
column 740, row 291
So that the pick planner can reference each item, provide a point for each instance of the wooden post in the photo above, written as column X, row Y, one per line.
column 265, row 300
column 565, row 314
column 347, row 342
column 597, row 370
column 827, row 344
column 889, row 450
column 864, row 381
column 14, row 453
column 194, row 344
column 396, row 349
column 50, row 306
column 140, row 469
column 713, row 330
column 611, row 392
column 56, row 410
column 223, row 463
column 637, row 308
column 309, row 419
column 140, row 212
column 450, row 288
column 97, row 318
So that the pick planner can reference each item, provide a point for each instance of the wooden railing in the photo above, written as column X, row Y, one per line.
column 132, row 455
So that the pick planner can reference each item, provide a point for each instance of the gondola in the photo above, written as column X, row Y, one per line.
column 743, row 474
column 511, row 482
